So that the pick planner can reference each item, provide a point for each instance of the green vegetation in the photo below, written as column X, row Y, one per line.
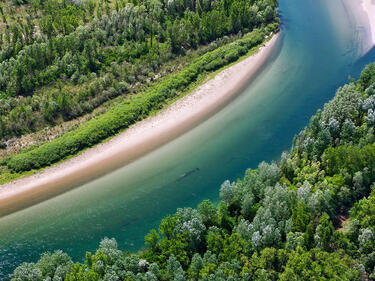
column 309, row 217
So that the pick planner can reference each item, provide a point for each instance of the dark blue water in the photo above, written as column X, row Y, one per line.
column 315, row 55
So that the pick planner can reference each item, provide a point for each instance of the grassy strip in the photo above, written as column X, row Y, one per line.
column 128, row 112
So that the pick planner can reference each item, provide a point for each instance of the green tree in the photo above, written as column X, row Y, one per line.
column 324, row 231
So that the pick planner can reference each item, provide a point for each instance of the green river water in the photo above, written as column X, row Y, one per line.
column 318, row 50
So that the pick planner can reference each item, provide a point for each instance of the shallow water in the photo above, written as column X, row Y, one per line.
column 316, row 53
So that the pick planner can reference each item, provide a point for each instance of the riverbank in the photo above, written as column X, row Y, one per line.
column 369, row 8
column 361, row 15
column 139, row 139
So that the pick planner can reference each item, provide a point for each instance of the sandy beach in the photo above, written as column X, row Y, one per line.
column 369, row 7
column 139, row 139
column 360, row 15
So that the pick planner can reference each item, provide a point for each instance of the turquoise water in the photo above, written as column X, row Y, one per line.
column 316, row 54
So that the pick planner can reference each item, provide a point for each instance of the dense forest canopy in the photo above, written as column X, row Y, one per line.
column 311, row 216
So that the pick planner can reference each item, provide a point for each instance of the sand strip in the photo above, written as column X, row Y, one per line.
column 369, row 7
column 361, row 19
column 139, row 139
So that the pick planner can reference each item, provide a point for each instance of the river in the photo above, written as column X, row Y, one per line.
column 318, row 50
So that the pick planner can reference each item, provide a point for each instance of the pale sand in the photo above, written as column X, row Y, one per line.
column 139, row 139
column 369, row 8
column 361, row 16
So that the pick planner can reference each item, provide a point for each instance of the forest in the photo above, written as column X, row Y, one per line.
column 67, row 68
column 308, row 216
